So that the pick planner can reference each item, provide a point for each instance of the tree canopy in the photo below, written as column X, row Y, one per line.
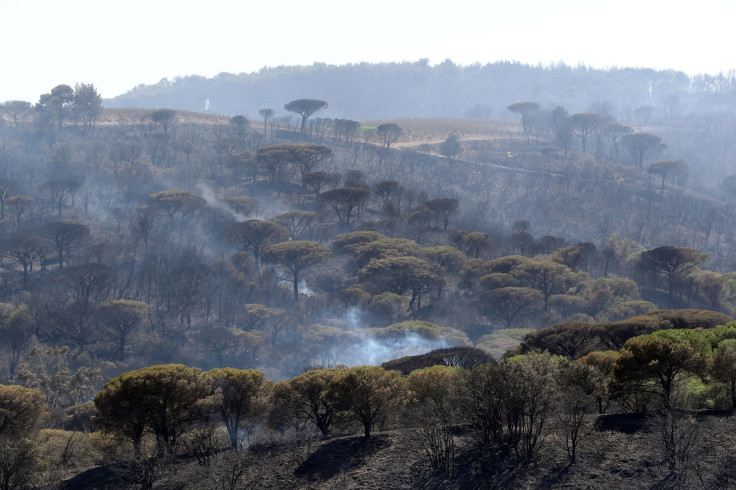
column 305, row 108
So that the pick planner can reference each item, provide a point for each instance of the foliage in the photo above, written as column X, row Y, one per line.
column 501, row 341
column 305, row 108
column 434, row 411
column 167, row 399
column 121, row 318
column 19, row 463
column 22, row 410
column 296, row 256
column 663, row 356
column 510, row 402
column 508, row 304
column 425, row 330
column 370, row 394
column 307, row 397
column 238, row 395
column 464, row 357
column 400, row 275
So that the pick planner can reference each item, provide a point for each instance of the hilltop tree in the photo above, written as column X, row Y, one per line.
column 57, row 105
column 266, row 114
column 295, row 256
column 305, row 108
column 385, row 189
column 16, row 109
column 164, row 117
column 451, row 148
column 525, row 109
column 274, row 159
column 543, row 275
column 240, row 125
column 389, row 133
column 449, row 258
column 586, row 123
column 382, row 248
column 87, row 104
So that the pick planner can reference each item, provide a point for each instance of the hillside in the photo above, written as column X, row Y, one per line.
column 616, row 453
column 416, row 89
column 291, row 261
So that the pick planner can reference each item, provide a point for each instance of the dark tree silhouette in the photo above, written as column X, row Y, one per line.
column 344, row 200
column 295, row 256
column 673, row 262
column 389, row 133
column 525, row 109
column 66, row 235
column 255, row 235
column 641, row 146
column 305, row 108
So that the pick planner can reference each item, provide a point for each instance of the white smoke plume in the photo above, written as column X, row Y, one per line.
column 371, row 350
column 213, row 202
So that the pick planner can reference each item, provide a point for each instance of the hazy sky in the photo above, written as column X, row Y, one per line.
column 118, row 45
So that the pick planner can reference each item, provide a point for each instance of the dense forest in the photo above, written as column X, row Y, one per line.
column 275, row 281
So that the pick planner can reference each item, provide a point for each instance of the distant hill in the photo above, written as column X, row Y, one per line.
column 416, row 89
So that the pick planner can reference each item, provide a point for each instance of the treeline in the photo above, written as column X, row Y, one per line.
column 416, row 89
column 264, row 246
column 462, row 400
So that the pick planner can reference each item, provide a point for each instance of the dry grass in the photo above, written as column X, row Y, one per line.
column 115, row 117
column 431, row 131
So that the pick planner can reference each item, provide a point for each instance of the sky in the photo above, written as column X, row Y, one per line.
column 118, row 45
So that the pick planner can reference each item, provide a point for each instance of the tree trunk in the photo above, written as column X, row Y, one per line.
column 296, row 286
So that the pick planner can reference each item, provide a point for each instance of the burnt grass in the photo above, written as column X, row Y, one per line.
column 616, row 452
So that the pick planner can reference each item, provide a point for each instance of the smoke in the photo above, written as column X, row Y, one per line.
column 304, row 289
column 372, row 350
column 212, row 201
